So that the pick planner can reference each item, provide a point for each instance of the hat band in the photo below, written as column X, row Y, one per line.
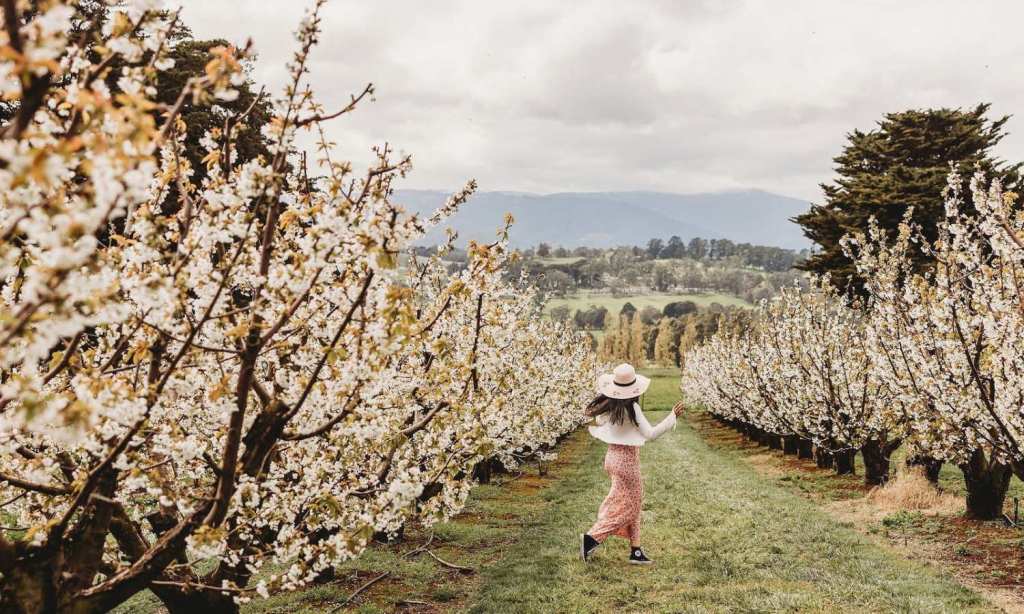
column 626, row 384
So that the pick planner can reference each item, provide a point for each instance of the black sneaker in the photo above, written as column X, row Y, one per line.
column 587, row 545
column 637, row 557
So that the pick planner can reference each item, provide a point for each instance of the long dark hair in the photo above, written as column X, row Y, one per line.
column 617, row 409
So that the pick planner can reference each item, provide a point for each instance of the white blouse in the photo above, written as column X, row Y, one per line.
column 626, row 433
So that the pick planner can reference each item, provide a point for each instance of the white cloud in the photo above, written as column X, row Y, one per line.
column 655, row 94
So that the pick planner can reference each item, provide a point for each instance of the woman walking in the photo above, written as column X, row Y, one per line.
column 621, row 424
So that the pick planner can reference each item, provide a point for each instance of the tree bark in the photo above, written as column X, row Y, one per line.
column 930, row 466
column 805, row 448
column 845, row 462
column 987, row 481
column 876, row 460
column 790, row 444
column 30, row 585
column 823, row 458
column 498, row 467
column 482, row 472
column 748, row 431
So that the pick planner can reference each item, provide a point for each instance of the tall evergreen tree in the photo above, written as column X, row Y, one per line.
column 654, row 247
column 675, row 248
column 637, row 350
column 901, row 164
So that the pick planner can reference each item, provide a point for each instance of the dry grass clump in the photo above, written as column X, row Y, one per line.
column 910, row 490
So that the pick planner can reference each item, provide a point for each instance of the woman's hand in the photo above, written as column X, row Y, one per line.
column 679, row 408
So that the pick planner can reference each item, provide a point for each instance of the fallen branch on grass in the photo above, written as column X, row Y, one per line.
column 360, row 590
column 373, row 581
column 451, row 565
column 511, row 479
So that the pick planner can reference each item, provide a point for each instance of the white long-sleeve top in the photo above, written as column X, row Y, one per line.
column 628, row 434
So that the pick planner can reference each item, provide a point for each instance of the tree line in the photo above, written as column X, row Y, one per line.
column 650, row 336
column 626, row 271
column 762, row 257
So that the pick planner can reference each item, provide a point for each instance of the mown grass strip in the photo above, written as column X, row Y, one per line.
column 723, row 541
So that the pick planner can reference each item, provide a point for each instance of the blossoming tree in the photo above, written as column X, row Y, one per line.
column 948, row 341
column 227, row 394
column 933, row 360
column 802, row 369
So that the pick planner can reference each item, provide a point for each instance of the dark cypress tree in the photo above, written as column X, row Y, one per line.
column 190, row 58
column 903, row 163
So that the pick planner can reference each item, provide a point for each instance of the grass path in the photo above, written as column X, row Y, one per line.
column 723, row 540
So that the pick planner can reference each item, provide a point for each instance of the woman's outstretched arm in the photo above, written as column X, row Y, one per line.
column 653, row 432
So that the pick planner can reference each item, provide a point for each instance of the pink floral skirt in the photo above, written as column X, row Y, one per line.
column 619, row 514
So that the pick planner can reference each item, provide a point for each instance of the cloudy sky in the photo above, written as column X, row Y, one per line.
column 678, row 96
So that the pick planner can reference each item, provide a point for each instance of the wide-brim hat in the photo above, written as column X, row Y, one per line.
column 622, row 383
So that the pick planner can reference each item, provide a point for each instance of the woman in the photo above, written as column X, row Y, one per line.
column 622, row 425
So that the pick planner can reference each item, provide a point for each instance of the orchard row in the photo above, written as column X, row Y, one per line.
column 219, row 382
column 929, row 356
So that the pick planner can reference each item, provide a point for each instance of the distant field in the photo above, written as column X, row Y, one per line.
column 614, row 304
column 553, row 260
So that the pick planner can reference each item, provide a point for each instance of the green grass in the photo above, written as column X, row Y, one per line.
column 724, row 540
column 614, row 304
column 664, row 390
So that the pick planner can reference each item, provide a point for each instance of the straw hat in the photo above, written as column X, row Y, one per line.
column 622, row 383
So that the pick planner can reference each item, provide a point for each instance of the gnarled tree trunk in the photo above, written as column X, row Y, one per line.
column 805, row 448
column 844, row 462
column 790, row 444
column 876, row 460
column 987, row 481
column 823, row 458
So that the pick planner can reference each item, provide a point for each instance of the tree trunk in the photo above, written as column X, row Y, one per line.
column 482, row 472
column 201, row 601
column 134, row 545
column 805, row 448
column 790, row 444
column 845, row 462
column 823, row 458
column 986, row 481
column 930, row 466
column 30, row 585
column 876, row 461
column 498, row 467
column 774, row 441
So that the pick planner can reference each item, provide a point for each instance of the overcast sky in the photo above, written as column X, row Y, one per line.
column 593, row 95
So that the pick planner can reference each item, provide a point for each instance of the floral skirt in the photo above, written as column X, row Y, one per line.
column 619, row 514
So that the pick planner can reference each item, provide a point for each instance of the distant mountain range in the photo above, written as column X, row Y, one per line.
column 608, row 219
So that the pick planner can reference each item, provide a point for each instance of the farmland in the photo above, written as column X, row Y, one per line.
column 614, row 304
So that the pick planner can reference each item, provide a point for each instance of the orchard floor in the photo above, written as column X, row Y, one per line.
column 724, row 540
